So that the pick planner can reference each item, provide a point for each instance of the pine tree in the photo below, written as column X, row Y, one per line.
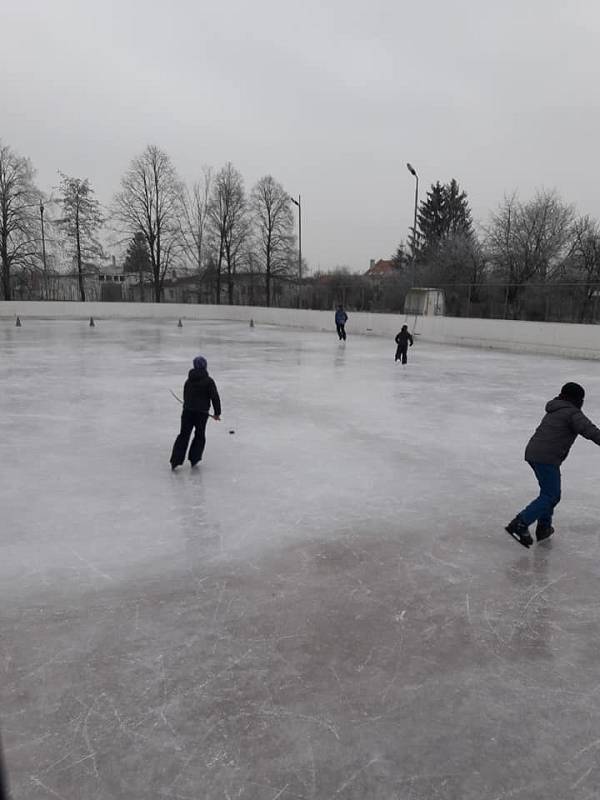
column 137, row 259
column 431, row 218
column 400, row 258
column 458, row 213
column 445, row 214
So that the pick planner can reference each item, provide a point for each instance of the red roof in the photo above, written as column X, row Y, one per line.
column 381, row 267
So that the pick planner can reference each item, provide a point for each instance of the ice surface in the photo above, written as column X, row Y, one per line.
column 327, row 608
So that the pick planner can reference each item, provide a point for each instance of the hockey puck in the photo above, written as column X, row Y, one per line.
column 231, row 431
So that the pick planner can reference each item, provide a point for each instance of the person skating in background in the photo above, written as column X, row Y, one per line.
column 545, row 452
column 199, row 392
column 404, row 340
column 340, row 321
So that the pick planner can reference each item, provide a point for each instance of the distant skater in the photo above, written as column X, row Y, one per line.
column 199, row 392
column 340, row 323
column 545, row 452
column 404, row 340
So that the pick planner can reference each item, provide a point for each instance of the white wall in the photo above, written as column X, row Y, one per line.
column 581, row 341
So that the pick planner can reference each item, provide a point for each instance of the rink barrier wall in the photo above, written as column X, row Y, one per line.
column 551, row 338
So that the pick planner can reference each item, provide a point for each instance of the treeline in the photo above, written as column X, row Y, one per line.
column 212, row 229
column 534, row 259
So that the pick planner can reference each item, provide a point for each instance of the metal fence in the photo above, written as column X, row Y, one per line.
column 547, row 302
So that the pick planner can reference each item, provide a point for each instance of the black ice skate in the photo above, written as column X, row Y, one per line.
column 543, row 531
column 519, row 531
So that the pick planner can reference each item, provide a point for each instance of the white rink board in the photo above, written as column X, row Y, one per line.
column 553, row 338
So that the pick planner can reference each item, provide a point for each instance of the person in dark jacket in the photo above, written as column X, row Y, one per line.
column 340, row 321
column 199, row 392
column 545, row 452
column 403, row 340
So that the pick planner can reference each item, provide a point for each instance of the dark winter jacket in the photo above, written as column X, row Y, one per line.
column 557, row 431
column 340, row 317
column 200, row 391
column 403, row 339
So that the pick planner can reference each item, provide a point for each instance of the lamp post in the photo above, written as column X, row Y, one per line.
column 298, row 203
column 44, row 250
column 413, row 171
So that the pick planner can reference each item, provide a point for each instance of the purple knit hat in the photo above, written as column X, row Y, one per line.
column 200, row 362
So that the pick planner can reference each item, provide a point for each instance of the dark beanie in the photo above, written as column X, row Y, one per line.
column 574, row 393
column 200, row 362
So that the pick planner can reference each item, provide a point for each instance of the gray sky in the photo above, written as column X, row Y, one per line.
column 331, row 97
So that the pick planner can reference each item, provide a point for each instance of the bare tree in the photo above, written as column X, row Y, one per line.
column 81, row 220
column 529, row 240
column 274, row 224
column 18, row 221
column 229, row 223
column 584, row 263
column 196, row 205
column 150, row 201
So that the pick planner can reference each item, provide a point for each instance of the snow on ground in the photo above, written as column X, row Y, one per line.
column 327, row 608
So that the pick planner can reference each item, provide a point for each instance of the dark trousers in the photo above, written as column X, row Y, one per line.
column 341, row 332
column 542, row 508
column 401, row 353
column 189, row 421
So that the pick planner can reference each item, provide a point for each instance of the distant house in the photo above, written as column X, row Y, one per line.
column 180, row 288
column 380, row 268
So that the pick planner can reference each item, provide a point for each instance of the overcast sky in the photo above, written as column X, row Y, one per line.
column 331, row 97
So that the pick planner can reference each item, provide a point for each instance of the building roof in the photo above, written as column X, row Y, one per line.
column 381, row 267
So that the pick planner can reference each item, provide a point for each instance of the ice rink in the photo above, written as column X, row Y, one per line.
column 327, row 608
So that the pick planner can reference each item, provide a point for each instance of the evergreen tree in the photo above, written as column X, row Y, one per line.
column 458, row 213
column 445, row 214
column 137, row 259
column 431, row 222
column 400, row 259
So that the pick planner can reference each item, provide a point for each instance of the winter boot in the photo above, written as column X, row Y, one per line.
column 543, row 531
column 519, row 531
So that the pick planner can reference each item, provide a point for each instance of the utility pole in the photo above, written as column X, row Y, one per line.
column 298, row 203
column 44, row 251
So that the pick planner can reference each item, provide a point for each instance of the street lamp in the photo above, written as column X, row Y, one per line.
column 44, row 249
column 298, row 203
column 413, row 171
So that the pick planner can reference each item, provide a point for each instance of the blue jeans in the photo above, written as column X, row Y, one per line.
column 542, row 508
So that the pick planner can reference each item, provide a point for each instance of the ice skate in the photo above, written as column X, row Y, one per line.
column 519, row 531
column 543, row 531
